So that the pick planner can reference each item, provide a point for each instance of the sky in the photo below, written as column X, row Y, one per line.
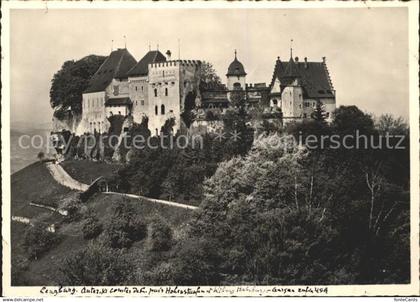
column 366, row 49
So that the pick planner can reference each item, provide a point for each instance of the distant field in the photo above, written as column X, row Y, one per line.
column 87, row 171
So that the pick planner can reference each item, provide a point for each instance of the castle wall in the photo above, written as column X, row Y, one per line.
column 231, row 80
column 169, row 84
column 292, row 102
column 93, row 113
column 138, row 92
column 113, row 110
column 117, row 89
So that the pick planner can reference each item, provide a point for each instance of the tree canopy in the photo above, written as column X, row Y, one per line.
column 69, row 83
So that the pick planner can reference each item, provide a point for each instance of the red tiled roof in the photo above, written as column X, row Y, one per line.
column 141, row 68
column 115, row 66
column 314, row 77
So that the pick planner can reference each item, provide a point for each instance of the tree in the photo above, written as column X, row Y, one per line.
column 348, row 119
column 124, row 227
column 238, row 133
column 319, row 114
column 91, row 227
column 268, row 220
column 392, row 125
column 38, row 240
column 69, row 83
column 209, row 75
column 160, row 235
column 41, row 156
column 95, row 265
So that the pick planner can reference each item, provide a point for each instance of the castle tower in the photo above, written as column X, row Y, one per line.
column 236, row 75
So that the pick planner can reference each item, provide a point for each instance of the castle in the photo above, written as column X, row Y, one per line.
column 160, row 88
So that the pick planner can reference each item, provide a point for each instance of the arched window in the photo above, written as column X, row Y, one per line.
column 162, row 109
column 166, row 91
column 155, row 92
column 237, row 85
column 275, row 102
column 156, row 110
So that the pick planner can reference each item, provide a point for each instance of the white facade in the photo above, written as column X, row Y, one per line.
column 93, row 113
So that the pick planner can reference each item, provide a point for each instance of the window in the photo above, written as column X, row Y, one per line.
column 304, row 115
column 116, row 90
column 237, row 85
column 136, row 102
column 136, row 88
column 142, row 102
column 141, row 88
column 163, row 73
column 119, row 112
column 166, row 91
column 162, row 109
column 155, row 92
column 156, row 110
column 275, row 102
column 327, row 114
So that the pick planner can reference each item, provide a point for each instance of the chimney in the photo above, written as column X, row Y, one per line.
column 296, row 59
column 306, row 62
column 324, row 59
column 168, row 54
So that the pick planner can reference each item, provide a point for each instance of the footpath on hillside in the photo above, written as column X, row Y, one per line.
column 63, row 178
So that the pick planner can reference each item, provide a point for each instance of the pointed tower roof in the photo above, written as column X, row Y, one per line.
column 115, row 66
column 291, row 69
column 141, row 68
column 236, row 68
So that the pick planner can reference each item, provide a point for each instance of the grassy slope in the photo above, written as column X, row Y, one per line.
column 44, row 271
column 87, row 171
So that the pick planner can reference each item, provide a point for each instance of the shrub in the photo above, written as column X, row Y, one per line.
column 38, row 240
column 91, row 227
column 41, row 156
column 19, row 266
column 73, row 206
column 124, row 228
column 138, row 229
column 161, row 274
column 160, row 235
column 95, row 265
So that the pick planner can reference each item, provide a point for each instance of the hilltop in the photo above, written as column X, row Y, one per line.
column 35, row 184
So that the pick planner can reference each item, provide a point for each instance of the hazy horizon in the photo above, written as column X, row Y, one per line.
column 366, row 49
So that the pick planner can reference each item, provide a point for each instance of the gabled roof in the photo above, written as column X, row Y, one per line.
column 115, row 66
column 313, row 76
column 141, row 68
